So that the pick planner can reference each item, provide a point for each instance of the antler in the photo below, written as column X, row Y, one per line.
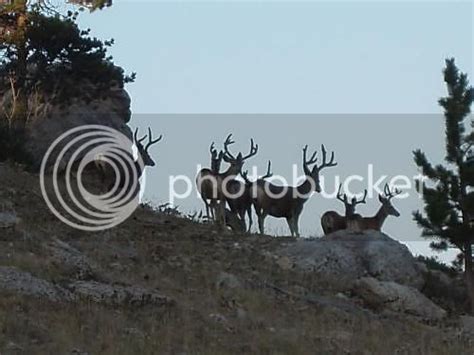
column 340, row 196
column 266, row 176
column 253, row 150
column 135, row 137
column 269, row 171
column 307, row 162
column 229, row 155
column 228, row 141
column 325, row 163
column 390, row 194
column 150, row 139
column 356, row 202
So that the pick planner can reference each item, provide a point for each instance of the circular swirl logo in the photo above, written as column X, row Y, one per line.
column 66, row 160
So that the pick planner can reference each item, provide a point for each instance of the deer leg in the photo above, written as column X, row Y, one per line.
column 221, row 220
column 207, row 208
column 211, row 212
column 296, row 226
column 289, row 220
column 249, row 212
column 242, row 218
column 261, row 223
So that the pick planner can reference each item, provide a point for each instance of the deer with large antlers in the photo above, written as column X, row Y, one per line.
column 376, row 222
column 219, row 182
column 126, row 172
column 240, row 198
column 287, row 201
column 331, row 221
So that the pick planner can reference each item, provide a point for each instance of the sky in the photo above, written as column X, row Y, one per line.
column 361, row 77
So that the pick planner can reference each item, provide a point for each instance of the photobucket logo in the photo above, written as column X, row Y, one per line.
column 68, row 199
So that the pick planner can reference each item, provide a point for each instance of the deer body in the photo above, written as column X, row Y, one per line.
column 214, row 185
column 287, row 201
column 331, row 221
column 241, row 199
column 376, row 222
column 206, row 182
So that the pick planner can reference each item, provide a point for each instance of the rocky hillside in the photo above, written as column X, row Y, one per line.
column 165, row 284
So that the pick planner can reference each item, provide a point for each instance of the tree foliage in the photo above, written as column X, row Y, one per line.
column 45, row 51
column 449, row 198
column 61, row 57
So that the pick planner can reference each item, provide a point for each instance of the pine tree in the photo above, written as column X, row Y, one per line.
column 15, row 21
column 448, row 215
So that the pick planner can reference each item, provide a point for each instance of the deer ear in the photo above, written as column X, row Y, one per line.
column 226, row 159
column 239, row 157
column 381, row 199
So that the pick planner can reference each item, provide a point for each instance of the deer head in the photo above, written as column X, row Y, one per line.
column 237, row 162
column 216, row 159
column 350, row 206
column 385, row 200
column 143, row 150
column 313, row 173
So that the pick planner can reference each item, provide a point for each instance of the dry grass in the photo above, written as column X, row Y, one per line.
column 273, row 312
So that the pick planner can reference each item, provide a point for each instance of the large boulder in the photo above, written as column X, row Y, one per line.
column 388, row 295
column 50, row 121
column 348, row 256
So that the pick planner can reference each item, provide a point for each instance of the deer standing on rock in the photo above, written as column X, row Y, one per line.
column 376, row 222
column 287, row 201
column 331, row 221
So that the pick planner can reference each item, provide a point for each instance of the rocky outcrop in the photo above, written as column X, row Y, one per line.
column 25, row 284
column 71, row 259
column 114, row 295
column 44, row 128
column 348, row 256
column 388, row 295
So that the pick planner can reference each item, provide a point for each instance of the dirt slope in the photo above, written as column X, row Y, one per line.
column 219, row 293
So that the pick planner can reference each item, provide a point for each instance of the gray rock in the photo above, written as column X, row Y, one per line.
column 467, row 325
column 8, row 220
column 226, row 280
column 23, row 283
column 388, row 295
column 68, row 256
column 348, row 256
column 118, row 295
column 51, row 121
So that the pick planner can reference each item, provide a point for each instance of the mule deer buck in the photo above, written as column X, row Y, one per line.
column 216, row 183
column 287, row 201
column 119, row 177
column 331, row 221
column 207, row 183
column 240, row 199
column 376, row 222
